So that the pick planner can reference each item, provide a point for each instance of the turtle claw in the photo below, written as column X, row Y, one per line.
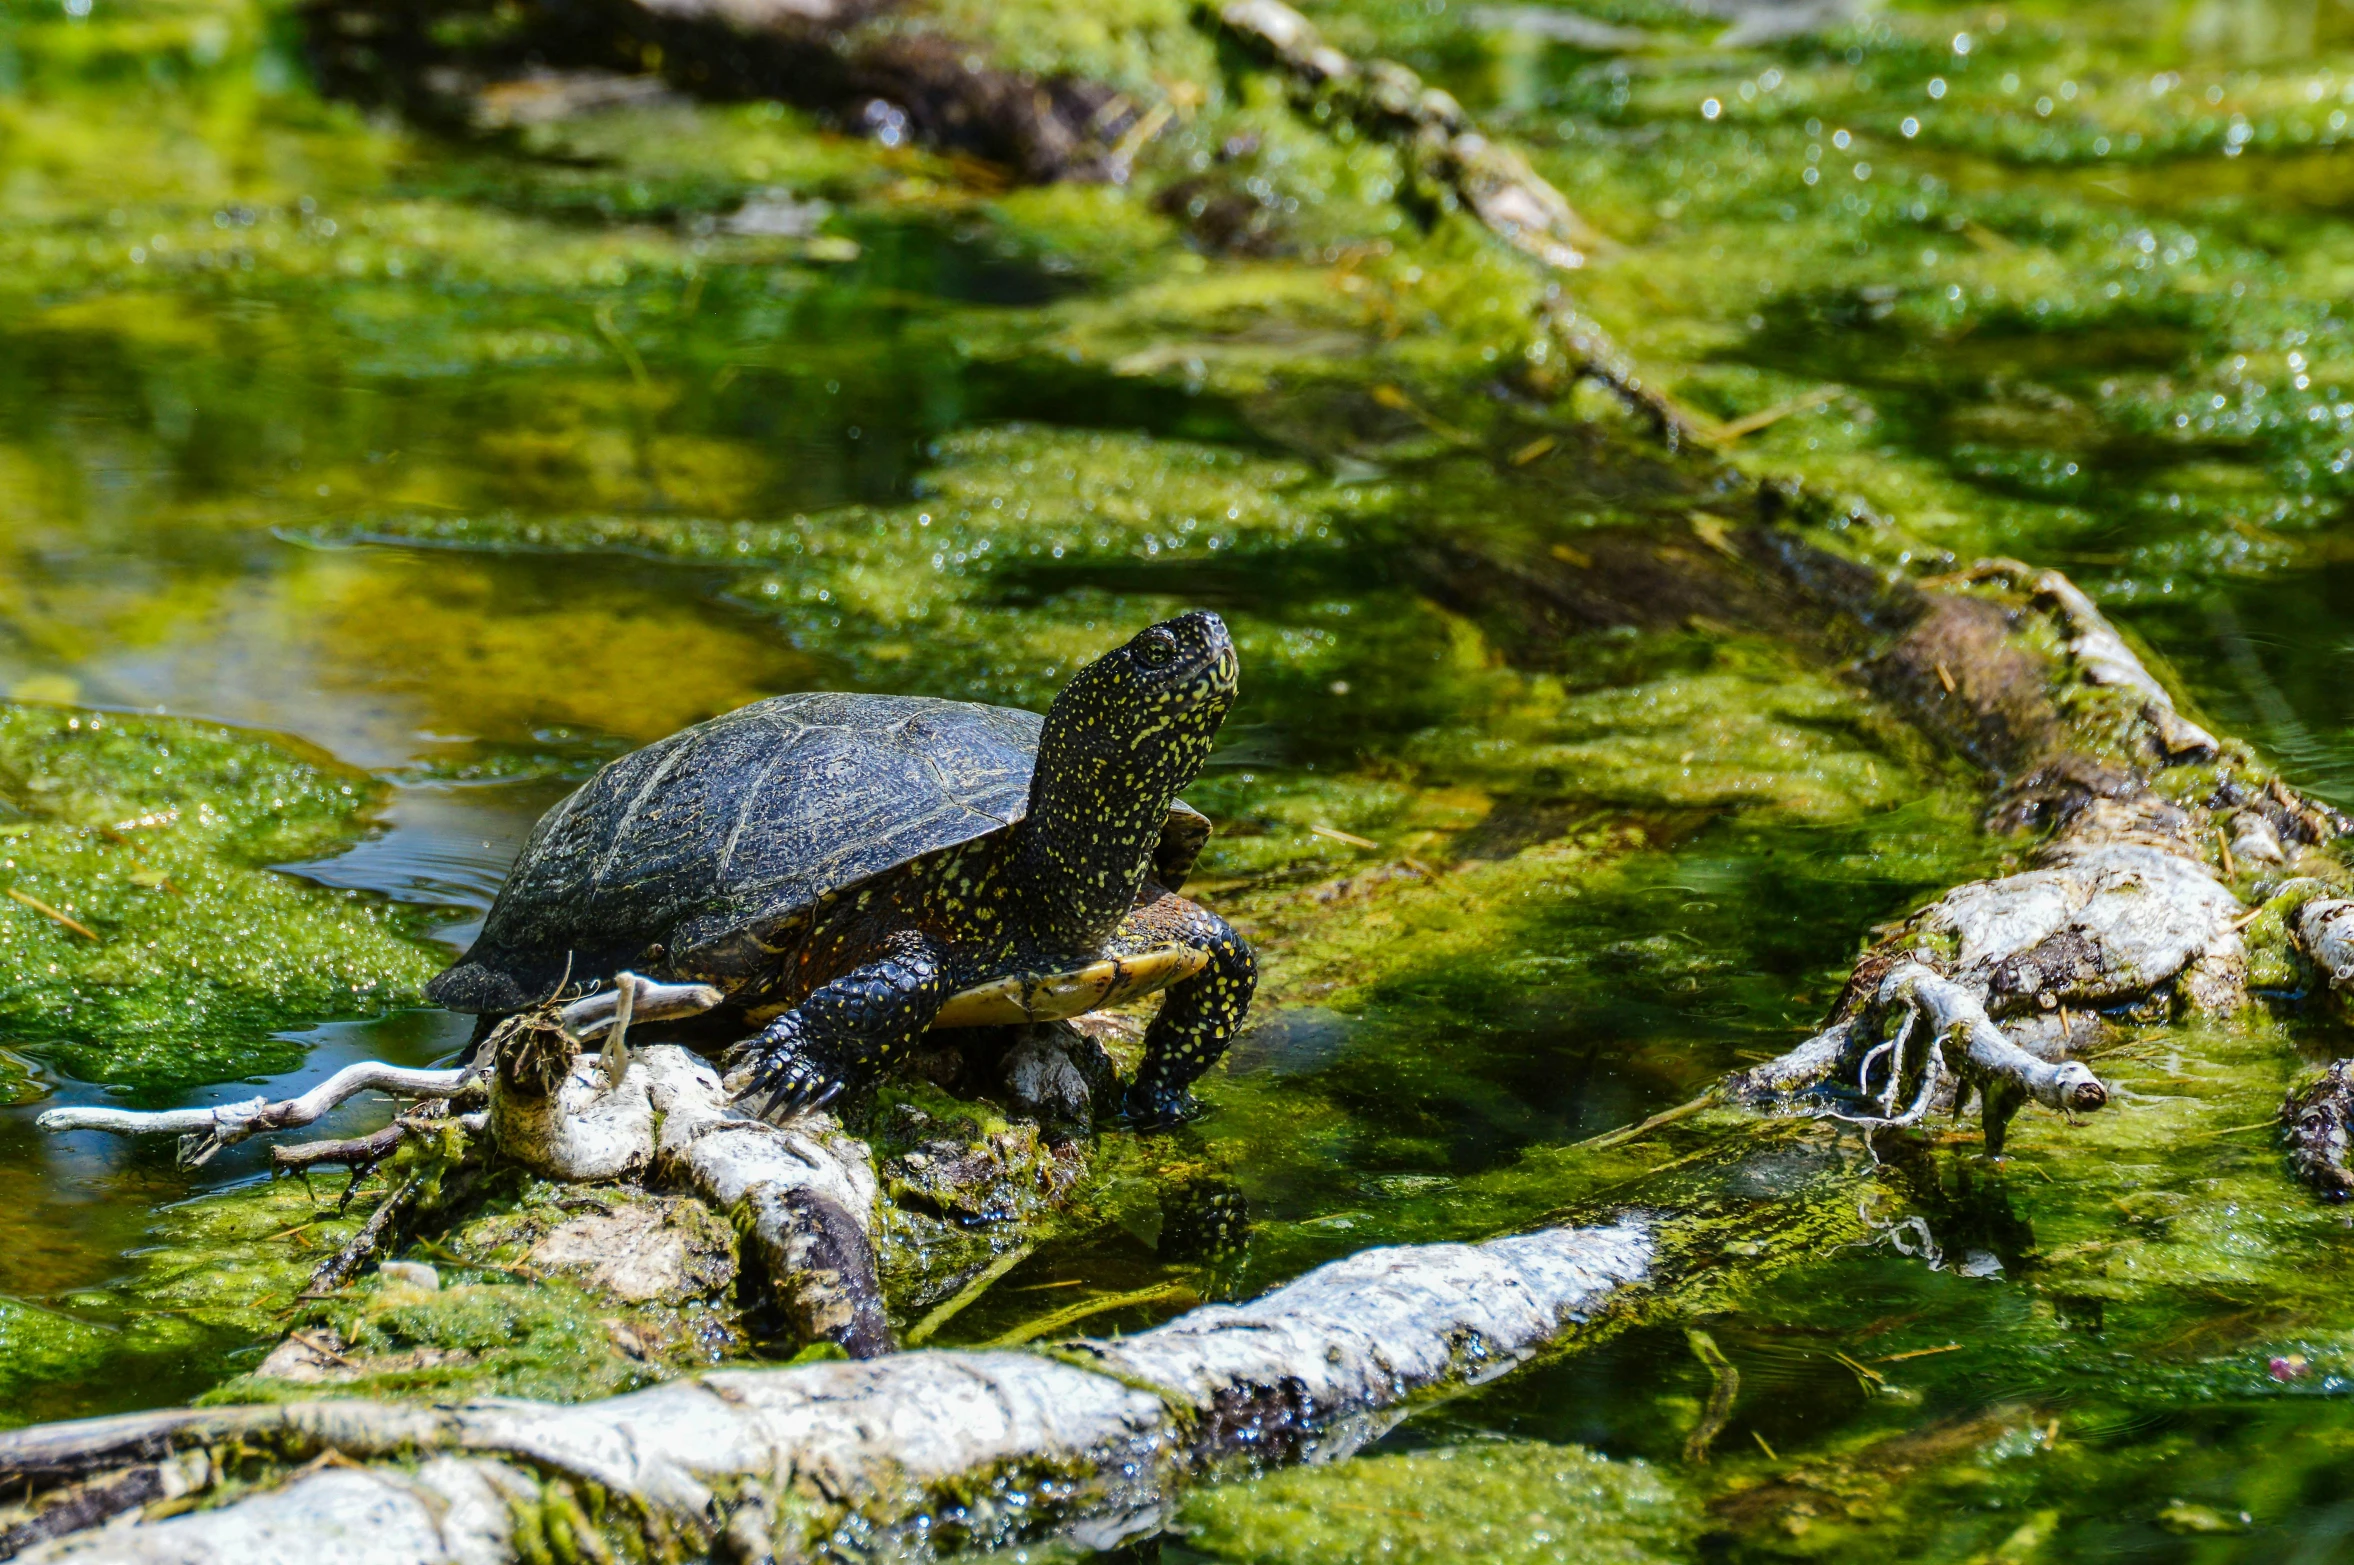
column 787, row 1084
column 1150, row 1108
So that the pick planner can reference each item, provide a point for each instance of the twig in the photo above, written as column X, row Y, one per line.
column 947, row 1309
column 321, row 1348
column 374, row 1234
column 359, row 1154
column 1962, row 1039
column 1627, row 1133
column 54, row 916
column 1071, row 1314
column 1750, row 424
column 229, row 1123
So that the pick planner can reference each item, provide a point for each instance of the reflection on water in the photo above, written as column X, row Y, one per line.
column 442, row 845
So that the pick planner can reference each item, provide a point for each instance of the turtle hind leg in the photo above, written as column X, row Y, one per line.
column 1198, row 1019
column 840, row 1037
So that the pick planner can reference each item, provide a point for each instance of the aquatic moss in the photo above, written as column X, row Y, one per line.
column 1486, row 1501
column 205, row 1291
column 154, row 835
column 507, row 1321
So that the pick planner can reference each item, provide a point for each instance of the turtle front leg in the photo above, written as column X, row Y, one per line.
column 845, row 1032
column 1198, row 1019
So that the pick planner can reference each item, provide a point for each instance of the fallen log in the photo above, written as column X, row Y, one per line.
column 943, row 1450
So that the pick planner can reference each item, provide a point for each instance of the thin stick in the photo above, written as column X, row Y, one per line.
column 229, row 1123
column 1619, row 1137
column 360, row 1153
column 54, row 916
column 615, row 1057
column 1071, row 1314
column 947, row 1309
column 321, row 1348
column 374, row 1235
column 1750, row 424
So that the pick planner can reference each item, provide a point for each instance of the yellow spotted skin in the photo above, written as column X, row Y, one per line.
column 860, row 980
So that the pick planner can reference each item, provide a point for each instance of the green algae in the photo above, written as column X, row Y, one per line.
column 207, row 1290
column 1500, row 1501
column 155, row 837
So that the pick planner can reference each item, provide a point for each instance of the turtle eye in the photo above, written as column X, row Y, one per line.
column 1157, row 648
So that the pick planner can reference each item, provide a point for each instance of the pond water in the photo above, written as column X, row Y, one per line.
column 468, row 463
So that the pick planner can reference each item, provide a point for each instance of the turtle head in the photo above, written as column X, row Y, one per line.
column 1129, row 731
column 1169, row 685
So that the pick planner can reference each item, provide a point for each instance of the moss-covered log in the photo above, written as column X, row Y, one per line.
column 957, row 1449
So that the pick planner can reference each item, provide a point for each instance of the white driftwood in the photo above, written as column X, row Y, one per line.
column 807, row 1189
column 2096, row 923
column 584, row 1131
column 227, row 1124
column 1953, row 1012
column 2255, row 840
column 970, row 1448
column 1918, row 1028
column 588, row 1017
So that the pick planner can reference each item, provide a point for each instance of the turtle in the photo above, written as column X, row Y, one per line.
column 851, row 870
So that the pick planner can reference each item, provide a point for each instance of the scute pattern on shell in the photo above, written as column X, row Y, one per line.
column 741, row 823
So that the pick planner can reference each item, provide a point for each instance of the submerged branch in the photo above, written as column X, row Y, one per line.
column 1461, row 167
column 1956, row 1035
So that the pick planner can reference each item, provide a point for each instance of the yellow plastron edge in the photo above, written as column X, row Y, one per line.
column 1090, row 988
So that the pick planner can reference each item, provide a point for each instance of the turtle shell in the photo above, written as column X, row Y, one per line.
column 712, row 842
